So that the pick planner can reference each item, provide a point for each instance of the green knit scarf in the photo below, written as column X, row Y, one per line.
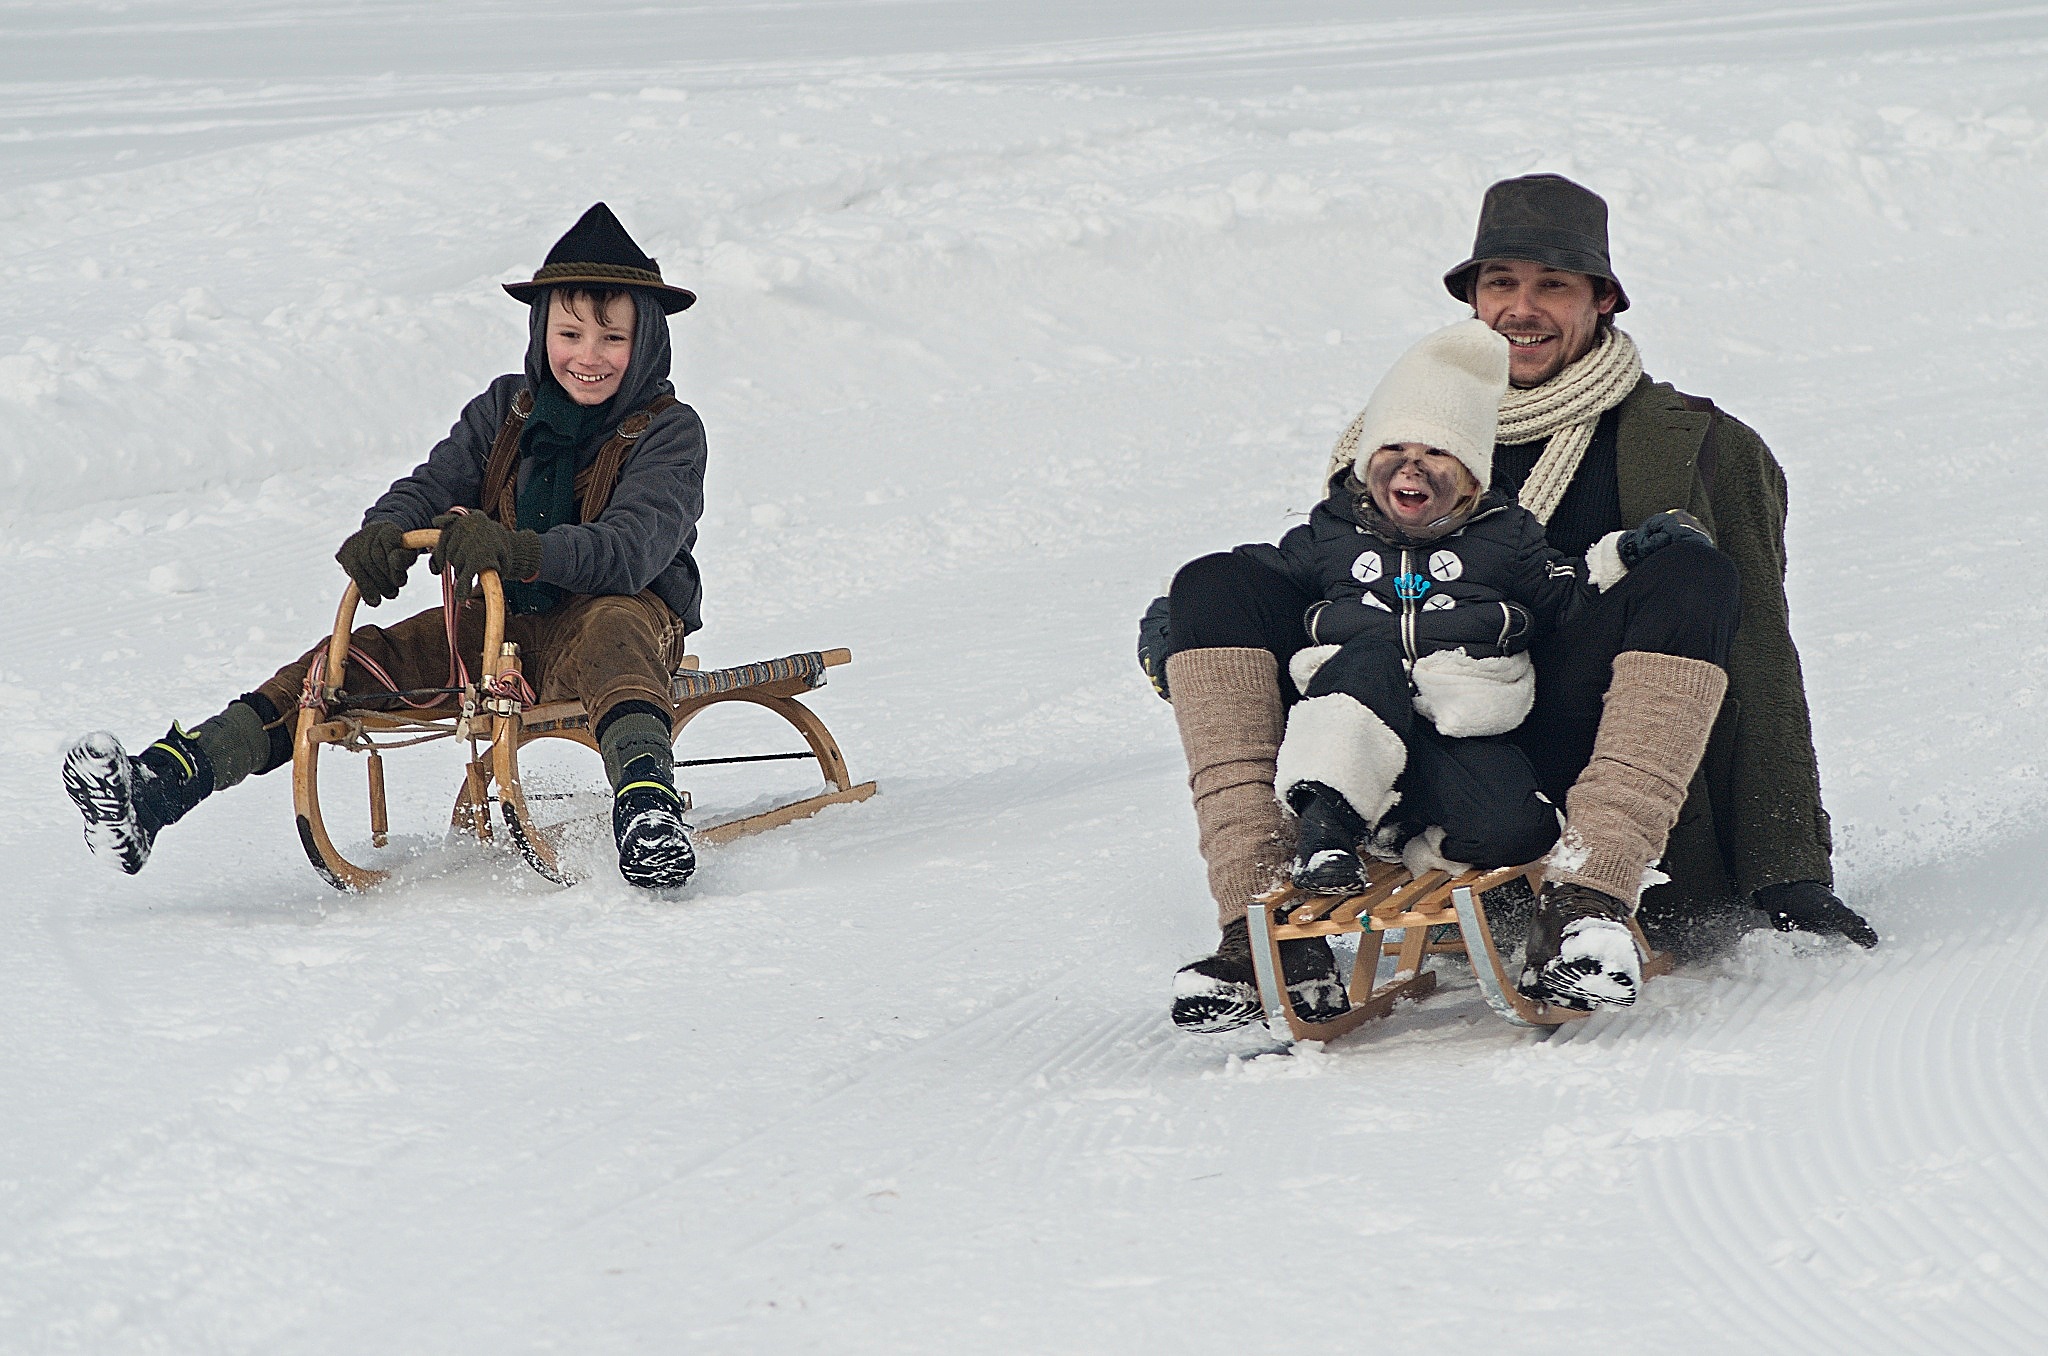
column 554, row 431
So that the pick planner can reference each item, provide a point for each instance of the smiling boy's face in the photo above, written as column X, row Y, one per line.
column 589, row 347
column 1415, row 485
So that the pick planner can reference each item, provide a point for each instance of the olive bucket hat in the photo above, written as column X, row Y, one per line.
column 1546, row 219
column 597, row 252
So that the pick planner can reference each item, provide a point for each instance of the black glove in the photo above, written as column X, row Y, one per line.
column 474, row 542
column 1809, row 906
column 376, row 558
column 1155, row 639
column 1658, row 532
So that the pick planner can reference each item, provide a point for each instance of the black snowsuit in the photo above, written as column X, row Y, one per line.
column 1385, row 603
column 1481, row 588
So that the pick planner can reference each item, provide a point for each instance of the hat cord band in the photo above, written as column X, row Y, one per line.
column 592, row 272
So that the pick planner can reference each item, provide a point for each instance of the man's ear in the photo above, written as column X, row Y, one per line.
column 1605, row 295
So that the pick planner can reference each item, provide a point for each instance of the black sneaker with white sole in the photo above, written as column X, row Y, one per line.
column 127, row 802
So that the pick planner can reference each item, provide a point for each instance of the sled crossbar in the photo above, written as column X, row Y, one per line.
column 1434, row 913
column 797, row 670
column 744, row 758
column 346, row 702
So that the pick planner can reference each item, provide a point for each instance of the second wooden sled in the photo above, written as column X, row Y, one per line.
column 495, row 712
column 1393, row 901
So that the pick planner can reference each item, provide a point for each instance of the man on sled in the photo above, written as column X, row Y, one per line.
column 1665, row 785
column 580, row 481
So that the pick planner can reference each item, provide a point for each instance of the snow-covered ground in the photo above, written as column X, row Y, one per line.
column 1007, row 310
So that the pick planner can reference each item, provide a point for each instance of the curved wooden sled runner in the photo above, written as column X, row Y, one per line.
column 495, row 713
column 1413, row 905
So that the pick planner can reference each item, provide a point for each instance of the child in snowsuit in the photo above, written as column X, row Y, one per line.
column 1432, row 589
column 580, row 481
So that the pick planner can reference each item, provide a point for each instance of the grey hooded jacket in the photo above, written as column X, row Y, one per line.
column 645, row 535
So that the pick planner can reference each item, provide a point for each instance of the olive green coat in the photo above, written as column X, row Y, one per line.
column 1753, row 816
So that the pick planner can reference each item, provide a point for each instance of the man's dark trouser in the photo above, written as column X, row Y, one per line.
column 1683, row 600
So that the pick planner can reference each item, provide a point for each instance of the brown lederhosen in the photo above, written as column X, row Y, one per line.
column 599, row 649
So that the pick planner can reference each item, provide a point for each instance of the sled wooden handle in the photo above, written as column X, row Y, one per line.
column 426, row 539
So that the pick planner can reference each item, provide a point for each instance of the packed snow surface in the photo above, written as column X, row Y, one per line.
column 1007, row 310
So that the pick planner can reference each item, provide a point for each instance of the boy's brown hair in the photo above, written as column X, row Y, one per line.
column 594, row 301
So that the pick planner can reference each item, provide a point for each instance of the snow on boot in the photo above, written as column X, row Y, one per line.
column 647, row 810
column 127, row 801
column 647, row 820
column 1312, row 983
column 1581, row 952
column 1220, row 992
column 654, row 842
column 1326, row 842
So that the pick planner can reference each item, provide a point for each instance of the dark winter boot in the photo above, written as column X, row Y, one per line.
column 647, row 810
column 647, row 820
column 1326, row 842
column 1220, row 992
column 1581, row 952
column 128, row 801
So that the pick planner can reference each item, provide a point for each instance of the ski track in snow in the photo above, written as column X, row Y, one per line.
column 1910, row 1224
column 1004, row 315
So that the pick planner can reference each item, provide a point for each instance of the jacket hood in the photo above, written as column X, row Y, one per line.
column 646, row 371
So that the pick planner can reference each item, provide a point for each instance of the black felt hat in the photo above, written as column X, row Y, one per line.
column 597, row 252
column 1546, row 219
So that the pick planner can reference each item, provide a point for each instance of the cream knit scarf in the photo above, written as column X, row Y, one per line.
column 1565, row 409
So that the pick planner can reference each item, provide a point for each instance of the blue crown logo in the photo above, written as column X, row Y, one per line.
column 1411, row 586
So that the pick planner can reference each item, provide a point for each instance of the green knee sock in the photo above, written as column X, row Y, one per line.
column 638, row 741
column 235, row 742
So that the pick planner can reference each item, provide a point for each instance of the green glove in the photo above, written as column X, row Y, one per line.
column 376, row 558
column 474, row 542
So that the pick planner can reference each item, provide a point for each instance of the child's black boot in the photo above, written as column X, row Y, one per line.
column 127, row 801
column 647, row 821
column 1326, row 860
column 647, row 810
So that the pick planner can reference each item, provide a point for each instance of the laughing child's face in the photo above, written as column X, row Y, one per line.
column 590, row 343
column 1415, row 485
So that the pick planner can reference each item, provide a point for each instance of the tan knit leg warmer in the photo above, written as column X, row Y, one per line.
column 1227, row 703
column 1660, row 710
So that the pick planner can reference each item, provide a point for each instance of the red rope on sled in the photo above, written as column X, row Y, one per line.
column 313, row 696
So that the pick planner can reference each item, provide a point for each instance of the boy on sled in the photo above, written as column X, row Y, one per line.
column 580, row 481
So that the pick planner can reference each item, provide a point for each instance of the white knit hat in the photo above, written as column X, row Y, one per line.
column 1445, row 393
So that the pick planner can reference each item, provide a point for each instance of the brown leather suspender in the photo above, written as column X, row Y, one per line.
column 594, row 483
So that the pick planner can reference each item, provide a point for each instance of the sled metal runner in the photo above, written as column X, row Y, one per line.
column 1394, row 900
column 495, row 715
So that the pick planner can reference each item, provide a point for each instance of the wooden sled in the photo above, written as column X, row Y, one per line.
column 494, row 712
column 1413, row 905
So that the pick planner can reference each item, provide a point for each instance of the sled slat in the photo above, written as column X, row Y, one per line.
column 1348, row 910
column 786, row 814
